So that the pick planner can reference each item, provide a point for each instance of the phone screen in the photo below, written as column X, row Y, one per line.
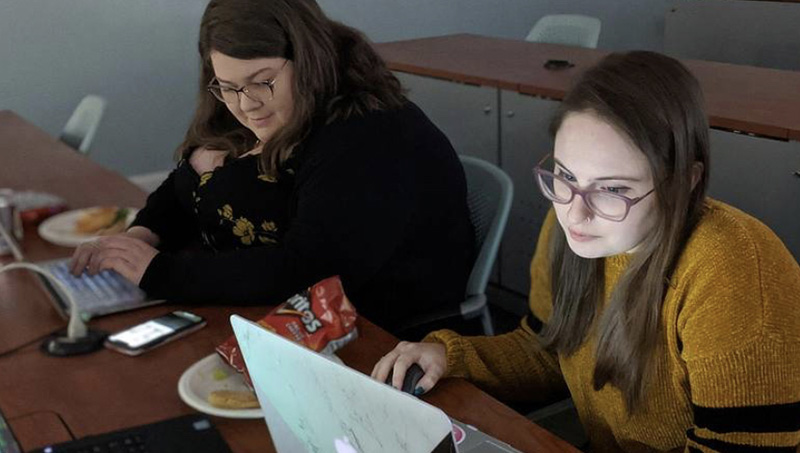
column 155, row 329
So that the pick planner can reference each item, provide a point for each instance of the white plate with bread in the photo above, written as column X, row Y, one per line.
column 73, row 228
column 213, row 387
column 231, row 398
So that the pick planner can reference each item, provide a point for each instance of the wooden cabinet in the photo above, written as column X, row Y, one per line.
column 467, row 114
column 525, row 140
column 759, row 176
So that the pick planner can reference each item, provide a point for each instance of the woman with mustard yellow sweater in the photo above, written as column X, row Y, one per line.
column 672, row 319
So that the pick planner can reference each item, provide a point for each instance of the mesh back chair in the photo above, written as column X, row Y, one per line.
column 489, row 195
column 567, row 29
column 82, row 125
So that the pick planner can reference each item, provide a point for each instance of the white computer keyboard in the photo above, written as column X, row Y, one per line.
column 103, row 293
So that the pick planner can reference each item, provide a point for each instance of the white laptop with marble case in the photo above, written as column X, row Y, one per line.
column 313, row 404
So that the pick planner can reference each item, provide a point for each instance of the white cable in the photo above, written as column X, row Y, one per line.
column 76, row 328
column 12, row 244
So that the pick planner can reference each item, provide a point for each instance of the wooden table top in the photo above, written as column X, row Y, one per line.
column 742, row 98
column 47, row 398
column 30, row 159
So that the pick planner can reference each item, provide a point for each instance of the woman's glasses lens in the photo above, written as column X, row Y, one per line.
column 607, row 205
column 558, row 190
column 554, row 188
column 259, row 92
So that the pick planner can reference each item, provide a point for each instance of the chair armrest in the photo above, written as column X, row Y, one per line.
column 473, row 306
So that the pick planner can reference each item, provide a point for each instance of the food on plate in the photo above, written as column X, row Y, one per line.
column 219, row 374
column 102, row 220
column 233, row 399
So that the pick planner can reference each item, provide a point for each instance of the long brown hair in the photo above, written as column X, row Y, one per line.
column 657, row 103
column 337, row 73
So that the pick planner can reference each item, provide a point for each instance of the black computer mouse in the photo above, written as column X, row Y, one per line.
column 413, row 374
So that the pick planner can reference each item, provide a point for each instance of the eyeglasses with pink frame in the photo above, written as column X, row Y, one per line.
column 589, row 195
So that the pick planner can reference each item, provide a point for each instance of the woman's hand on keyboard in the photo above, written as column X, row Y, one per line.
column 125, row 254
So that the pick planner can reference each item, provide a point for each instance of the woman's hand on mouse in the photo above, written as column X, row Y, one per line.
column 431, row 357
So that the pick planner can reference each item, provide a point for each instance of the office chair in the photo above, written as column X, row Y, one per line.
column 489, row 195
column 79, row 131
column 567, row 29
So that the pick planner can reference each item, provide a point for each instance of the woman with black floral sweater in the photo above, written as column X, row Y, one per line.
column 304, row 160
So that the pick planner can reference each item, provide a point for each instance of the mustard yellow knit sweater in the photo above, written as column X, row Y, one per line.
column 728, row 369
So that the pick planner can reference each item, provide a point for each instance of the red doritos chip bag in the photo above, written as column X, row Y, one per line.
column 320, row 318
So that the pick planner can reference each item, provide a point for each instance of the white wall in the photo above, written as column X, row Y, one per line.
column 627, row 24
column 138, row 54
column 141, row 55
column 752, row 33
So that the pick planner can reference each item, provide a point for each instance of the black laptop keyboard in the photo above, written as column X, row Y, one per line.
column 187, row 434
column 124, row 444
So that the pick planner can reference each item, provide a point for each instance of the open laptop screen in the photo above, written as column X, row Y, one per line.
column 312, row 403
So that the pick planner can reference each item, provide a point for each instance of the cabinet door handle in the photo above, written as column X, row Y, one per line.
column 797, row 173
column 510, row 114
column 487, row 110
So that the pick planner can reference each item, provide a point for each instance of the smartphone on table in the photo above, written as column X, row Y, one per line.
column 155, row 332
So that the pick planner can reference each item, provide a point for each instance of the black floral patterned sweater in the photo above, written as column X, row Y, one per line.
column 379, row 200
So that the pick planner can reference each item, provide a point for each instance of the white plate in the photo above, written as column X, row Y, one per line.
column 60, row 229
column 207, row 375
column 212, row 373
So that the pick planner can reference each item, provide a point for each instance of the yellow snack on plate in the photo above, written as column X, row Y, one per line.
column 233, row 399
column 102, row 220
